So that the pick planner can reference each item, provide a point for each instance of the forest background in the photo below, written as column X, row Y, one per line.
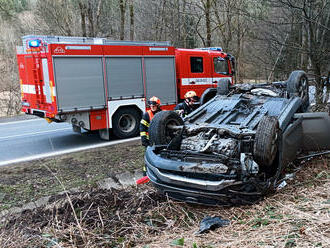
column 269, row 38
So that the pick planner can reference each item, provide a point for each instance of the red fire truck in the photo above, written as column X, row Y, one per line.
column 99, row 84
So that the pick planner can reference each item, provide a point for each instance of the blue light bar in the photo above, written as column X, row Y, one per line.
column 34, row 43
column 211, row 48
column 215, row 48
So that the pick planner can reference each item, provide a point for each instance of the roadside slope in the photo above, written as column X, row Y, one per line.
column 298, row 215
column 25, row 182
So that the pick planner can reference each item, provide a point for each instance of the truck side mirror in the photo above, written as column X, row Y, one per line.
column 233, row 65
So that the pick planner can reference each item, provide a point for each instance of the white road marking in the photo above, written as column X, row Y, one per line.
column 14, row 122
column 30, row 134
column 41, row 156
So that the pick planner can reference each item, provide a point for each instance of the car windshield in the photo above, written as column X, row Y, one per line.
column 220, row 65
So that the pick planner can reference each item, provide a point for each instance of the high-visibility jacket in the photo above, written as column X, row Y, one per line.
column 144, row 126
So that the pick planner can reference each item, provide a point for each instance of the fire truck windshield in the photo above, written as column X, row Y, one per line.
column 220, row 65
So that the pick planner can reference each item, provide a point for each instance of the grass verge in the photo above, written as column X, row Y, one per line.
column 26, row 182
column 296, row 216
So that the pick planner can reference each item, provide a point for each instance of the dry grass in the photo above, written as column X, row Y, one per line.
column 280, row 221
column 10, row 103
column 297, row 216
column 28, row 181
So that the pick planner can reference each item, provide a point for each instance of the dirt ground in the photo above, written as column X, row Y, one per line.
column 296, row 216
column 26, row 182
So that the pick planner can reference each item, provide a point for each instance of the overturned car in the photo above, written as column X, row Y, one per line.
column 233, row 149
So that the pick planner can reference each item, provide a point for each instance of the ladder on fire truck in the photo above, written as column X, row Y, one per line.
column 37, row 82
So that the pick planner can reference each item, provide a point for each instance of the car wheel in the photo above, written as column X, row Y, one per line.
column 223, row 86
column 297, row 85
column 159, row 133
column 266, row 141
column 208, row 95
column 125, row 123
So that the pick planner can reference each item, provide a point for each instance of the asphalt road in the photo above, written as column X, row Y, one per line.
column 25, row 140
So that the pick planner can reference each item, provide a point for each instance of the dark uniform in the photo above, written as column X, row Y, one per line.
column 144, row 126
column 187, row 109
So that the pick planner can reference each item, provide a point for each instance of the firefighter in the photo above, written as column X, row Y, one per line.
column 154, row 104
column 186, row 107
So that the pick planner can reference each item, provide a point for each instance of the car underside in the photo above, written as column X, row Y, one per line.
column 232, row 149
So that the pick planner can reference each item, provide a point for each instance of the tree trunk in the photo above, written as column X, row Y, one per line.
column 82, row 8
column 122, row 7
column 131, row 16
column 98, row 14
column 238, row 53
column 184, row 19
column 90, row 19
column 208, row 22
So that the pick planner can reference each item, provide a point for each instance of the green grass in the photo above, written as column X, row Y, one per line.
column 29, row 181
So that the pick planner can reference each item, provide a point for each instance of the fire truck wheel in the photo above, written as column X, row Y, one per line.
column 159, row 131
column 266, row 141
column 125, row 123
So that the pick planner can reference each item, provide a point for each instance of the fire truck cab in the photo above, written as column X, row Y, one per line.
column 99, row 84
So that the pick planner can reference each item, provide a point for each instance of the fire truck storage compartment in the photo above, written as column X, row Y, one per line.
column 47, row 88
column 124, row 77
column 97, row 120
column 79, row 83
column 160, row 78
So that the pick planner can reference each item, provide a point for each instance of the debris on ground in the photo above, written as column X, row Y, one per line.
column 143, row 180
column 212, row 223
column 281, row 185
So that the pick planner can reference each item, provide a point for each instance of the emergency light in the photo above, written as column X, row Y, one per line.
column 215, row 48
column 34, row 43
column 219, row 49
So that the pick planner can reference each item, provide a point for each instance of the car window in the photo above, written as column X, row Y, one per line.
column 196, row 64
column 220, row 65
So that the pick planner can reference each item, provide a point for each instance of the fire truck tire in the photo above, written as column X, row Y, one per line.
column 223, row 86
column 126, row 122
column 297, row 85
column 159, row 133
column 266, row 141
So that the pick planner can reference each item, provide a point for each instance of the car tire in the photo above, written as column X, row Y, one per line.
column 159, row 133
column 266, row 141
column 207, row 95
column 297, row 85
column 126, row 123
column 223, row 86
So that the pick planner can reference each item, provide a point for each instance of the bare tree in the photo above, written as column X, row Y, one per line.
column 59, row 16
column 308, row 26
column 122, row 7
column 82, row 8
column 10, row 29
column 131, row 18
column 207, row 11
column 90, row 13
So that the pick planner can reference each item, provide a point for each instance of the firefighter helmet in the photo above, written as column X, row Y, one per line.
column 191, row 96
column 154, row 101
